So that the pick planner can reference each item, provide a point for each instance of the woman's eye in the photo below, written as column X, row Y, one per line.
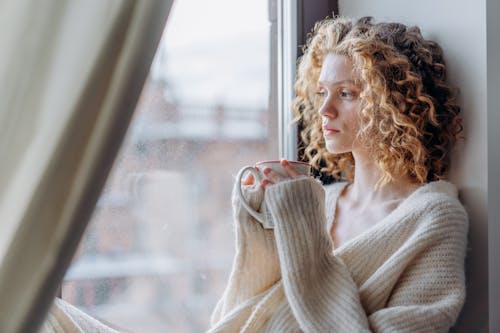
column 346, row 94
column 320, row 93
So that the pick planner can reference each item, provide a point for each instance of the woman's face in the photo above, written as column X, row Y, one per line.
column 339, row 98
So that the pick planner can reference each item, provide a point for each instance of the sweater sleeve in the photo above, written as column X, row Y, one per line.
column 321, row 291
column 64, row 318
column 255, row 265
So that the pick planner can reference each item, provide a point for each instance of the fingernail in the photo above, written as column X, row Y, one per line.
column 267, row 170
column 284, row 162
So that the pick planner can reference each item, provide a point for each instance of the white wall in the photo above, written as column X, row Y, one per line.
column 493, row 81
column 459, row 26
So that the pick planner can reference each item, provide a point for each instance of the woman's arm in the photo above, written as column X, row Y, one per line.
column 320, row 289
column 255, row 265
column 64, row 317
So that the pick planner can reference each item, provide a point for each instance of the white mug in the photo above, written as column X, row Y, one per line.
column 301, row 167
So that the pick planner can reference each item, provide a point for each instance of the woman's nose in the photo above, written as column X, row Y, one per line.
column 327, row 109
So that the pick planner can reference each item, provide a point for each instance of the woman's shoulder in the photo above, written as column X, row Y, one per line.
column 437, row 194
column 437, row 202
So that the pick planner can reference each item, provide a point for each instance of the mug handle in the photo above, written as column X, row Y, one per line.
column 258, row 216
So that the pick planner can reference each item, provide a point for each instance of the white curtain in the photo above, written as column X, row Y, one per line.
column 70, row 75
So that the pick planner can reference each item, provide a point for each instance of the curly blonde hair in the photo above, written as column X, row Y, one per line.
column 409, row 118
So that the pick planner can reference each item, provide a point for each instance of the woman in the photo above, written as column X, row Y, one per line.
column 382, row 249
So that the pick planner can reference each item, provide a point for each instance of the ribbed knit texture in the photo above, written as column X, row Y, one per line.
column 65, row 318
column 405, row 274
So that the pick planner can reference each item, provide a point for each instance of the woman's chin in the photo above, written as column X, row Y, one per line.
column 335, row 149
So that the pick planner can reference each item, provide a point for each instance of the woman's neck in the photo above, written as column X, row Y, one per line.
column 366, row 175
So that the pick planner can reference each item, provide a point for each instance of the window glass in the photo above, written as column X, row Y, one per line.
column 156, row 254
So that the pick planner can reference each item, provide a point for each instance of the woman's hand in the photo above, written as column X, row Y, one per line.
column 272, row 177
column 249, row 180
column 256, row 266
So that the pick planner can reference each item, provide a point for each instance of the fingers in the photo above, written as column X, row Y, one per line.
column 249, row 180
column 289, row 169
column 265, row 183
column 273, row 176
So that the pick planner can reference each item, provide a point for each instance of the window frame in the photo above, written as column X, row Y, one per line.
column 287, row 55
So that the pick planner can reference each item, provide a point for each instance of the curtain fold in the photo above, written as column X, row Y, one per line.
column 71, row 75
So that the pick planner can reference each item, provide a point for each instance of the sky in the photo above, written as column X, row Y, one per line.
column 216, row 52
column 192, row 21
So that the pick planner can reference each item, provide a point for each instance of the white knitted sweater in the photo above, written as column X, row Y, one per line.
column 404, row 274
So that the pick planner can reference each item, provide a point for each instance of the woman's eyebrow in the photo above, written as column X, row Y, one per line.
column 337, row 82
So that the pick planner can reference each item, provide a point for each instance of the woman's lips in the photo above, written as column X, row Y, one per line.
column 329, row 130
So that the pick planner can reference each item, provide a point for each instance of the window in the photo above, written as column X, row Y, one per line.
column 157, row 252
